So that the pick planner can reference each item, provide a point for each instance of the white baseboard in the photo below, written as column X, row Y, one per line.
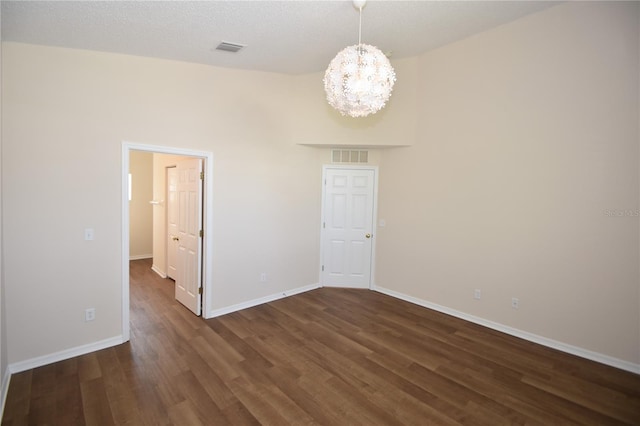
column 28, row 364
column 158, row 271
column 260, row 301
column 141, row 256
column 6, row 379
column 554, row 344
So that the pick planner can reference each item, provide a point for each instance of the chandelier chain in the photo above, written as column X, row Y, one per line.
column 360, row 28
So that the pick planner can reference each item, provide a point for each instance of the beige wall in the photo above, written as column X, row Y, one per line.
column 527, row 143
column 66, row 114
column 140, row 210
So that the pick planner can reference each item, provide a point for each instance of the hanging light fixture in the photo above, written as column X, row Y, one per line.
column 360, row 78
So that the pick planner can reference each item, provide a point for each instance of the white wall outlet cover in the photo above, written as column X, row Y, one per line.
column 89, row 314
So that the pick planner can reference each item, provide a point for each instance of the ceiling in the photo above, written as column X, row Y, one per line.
column 292, row 37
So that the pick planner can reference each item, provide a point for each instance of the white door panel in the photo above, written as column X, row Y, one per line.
column 172, row 221
column 348, row 227
column 189, row 253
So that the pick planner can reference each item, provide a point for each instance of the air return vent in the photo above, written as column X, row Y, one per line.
column 349, row 156
column 230, row 47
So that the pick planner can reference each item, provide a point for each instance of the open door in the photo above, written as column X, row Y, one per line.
column 188, row 287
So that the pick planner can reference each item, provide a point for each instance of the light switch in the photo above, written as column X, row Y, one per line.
column 88, row 234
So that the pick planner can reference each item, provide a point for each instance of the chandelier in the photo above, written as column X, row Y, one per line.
column 359, row 80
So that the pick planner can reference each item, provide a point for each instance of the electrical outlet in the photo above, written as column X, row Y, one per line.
column 263, row 277
column 89, row 314
column 515, row 302
column 477, row 294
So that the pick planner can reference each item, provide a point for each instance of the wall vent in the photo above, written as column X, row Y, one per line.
column 349, row 156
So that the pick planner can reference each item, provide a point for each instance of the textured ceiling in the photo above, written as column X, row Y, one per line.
column 281, row 36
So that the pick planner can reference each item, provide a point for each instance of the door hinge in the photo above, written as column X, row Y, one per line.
column 322, row 268
column 201, row 175
column 324, row 225
column 200, row 290
column 201, row 233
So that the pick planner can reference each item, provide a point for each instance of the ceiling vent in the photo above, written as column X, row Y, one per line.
column 230, row 47
column 349, row 156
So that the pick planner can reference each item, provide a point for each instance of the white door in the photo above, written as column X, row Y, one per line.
column 172, row 221
column 347, row 231
column 189, row 256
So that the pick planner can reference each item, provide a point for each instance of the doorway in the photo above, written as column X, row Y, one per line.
column 349, row 204
column 207, row 221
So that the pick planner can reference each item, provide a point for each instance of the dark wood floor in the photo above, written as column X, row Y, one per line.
column 329, row 356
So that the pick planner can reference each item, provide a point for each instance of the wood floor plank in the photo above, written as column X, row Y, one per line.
column 561, row 409
column 450, row 390
column 195, row 393
column 328, row 356
column 185, row 413
column 212, row 384
column 287, row 381
column 69, row 407
column 238, row 414
column 89, row 368
column 97, row 410
column 42, row 409
column 118, row 391
column 252, row 397
column 599, row 399
column 151, row 409
column 18, row 404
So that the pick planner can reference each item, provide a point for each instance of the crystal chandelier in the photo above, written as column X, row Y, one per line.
column 360, row 78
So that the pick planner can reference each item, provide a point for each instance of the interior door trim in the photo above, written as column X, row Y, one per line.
column 375, row 217
column 207, row 250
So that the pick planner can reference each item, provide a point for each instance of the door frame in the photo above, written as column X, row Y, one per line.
column 374, row 220
column 207, row 243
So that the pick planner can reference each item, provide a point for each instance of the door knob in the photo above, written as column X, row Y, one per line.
column 175, row 238
column 368, row 235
